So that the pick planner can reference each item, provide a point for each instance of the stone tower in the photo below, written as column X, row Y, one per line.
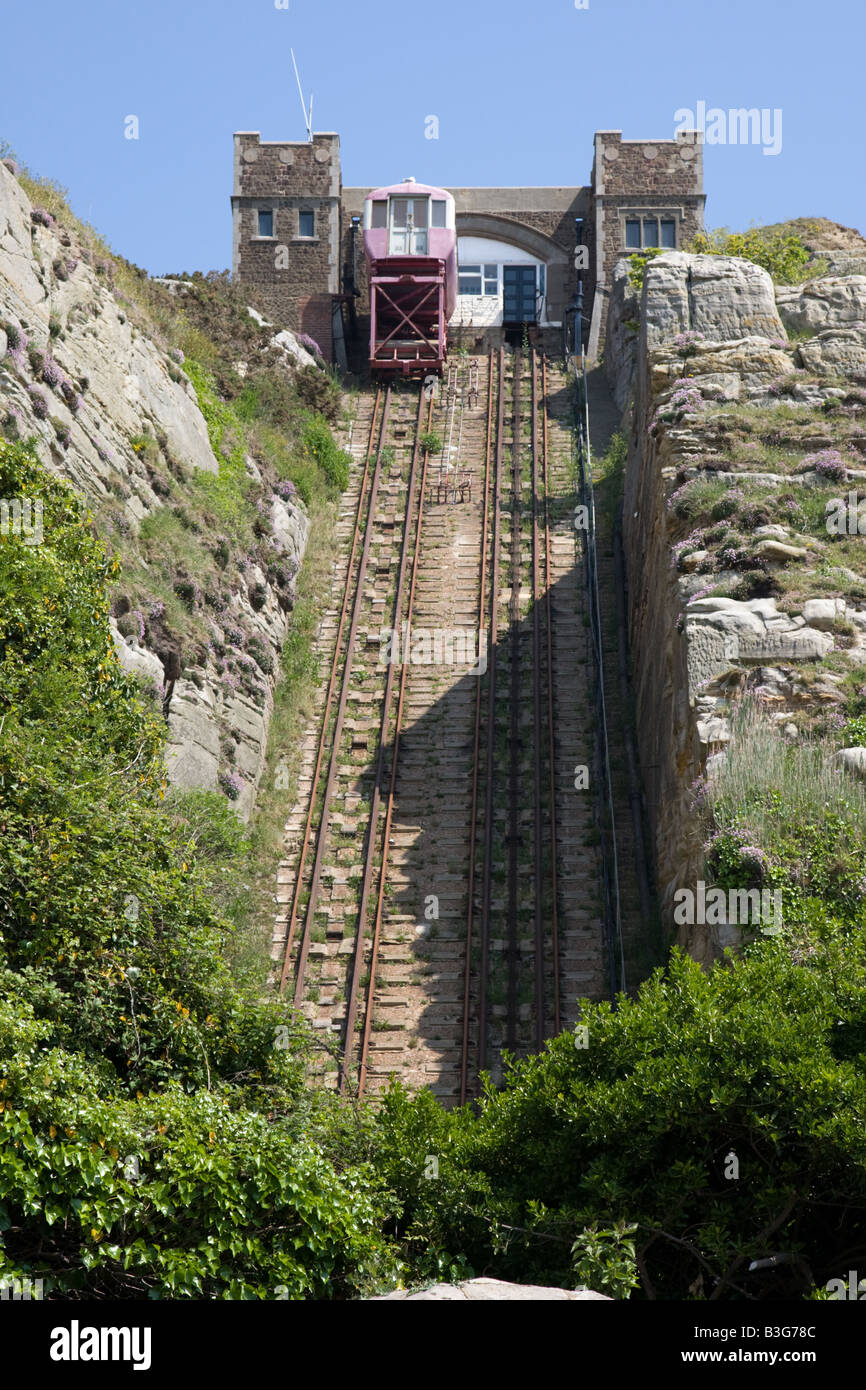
column 286, row 230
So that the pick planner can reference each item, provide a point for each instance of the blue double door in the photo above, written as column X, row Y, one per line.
column 519, row 294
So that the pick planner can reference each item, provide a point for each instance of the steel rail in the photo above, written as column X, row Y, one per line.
column 538, row 866
column 551, row 742
column 303, row 951
column 395, row 752
column 335, row 664
column 372, row 824
column 491, row 727
column 470, row 909
column 514, row 712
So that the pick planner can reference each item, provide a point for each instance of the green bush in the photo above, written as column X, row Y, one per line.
column 632, row 1141
column 124, row 1029
column 319, row 444
column 784, row 256
column 167, row 1195
column 638, row 264
column 854, row 733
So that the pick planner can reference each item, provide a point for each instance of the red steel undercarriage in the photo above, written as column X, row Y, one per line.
column 407, row 316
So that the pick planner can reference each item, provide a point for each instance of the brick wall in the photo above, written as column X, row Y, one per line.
column 639, row 176
column 291, row 279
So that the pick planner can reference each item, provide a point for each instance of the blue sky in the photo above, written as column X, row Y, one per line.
column 518, row 87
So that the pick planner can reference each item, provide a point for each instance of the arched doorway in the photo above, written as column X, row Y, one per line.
column 509, row 274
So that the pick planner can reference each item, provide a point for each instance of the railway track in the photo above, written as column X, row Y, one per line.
column 439, row 871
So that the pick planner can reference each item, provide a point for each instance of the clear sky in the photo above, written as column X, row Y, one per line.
column 518, row 87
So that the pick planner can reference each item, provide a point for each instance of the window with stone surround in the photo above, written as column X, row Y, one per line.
column 650, row 229
column 265, row 222
column 306, row 223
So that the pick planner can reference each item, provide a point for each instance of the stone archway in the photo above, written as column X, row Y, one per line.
column 528, row 239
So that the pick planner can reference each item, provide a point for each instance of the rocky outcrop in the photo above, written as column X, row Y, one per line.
column 286, row 343
column 116, row 414
column 112, row 383
column 621, row 341
column 716, row 297
column 491, row 1290
column 830, row 302
column 712, row 362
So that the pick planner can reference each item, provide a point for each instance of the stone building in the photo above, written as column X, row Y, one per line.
column 297, row 243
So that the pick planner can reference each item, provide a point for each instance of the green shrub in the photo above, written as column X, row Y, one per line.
column 854, row 733
column 430, row 441
column 126, row 1034
column 784, row 256
column 594, row 1161
column 320, row 391
column 638, row 264
column 319, row 444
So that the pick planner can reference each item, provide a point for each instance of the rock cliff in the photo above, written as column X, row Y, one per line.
column 744, row 445
column 114, row 411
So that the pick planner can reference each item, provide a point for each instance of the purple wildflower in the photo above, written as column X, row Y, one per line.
column 687, row 342
column 51, row 373
column 828, row 464
column 698, row 793
column 754, row 854
column 682, row 548
column 232, row 784
column 38, row 403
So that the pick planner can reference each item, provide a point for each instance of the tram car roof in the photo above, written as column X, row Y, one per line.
column 409, row 188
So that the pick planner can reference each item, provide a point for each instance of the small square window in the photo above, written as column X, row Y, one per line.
column 306, row 224
column 669, row 233
column 632, row 233
column 266, row 223
column 470, row 279
column 650, row 231
column 491, row 279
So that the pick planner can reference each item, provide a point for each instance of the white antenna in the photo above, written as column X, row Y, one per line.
column 308, row 119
